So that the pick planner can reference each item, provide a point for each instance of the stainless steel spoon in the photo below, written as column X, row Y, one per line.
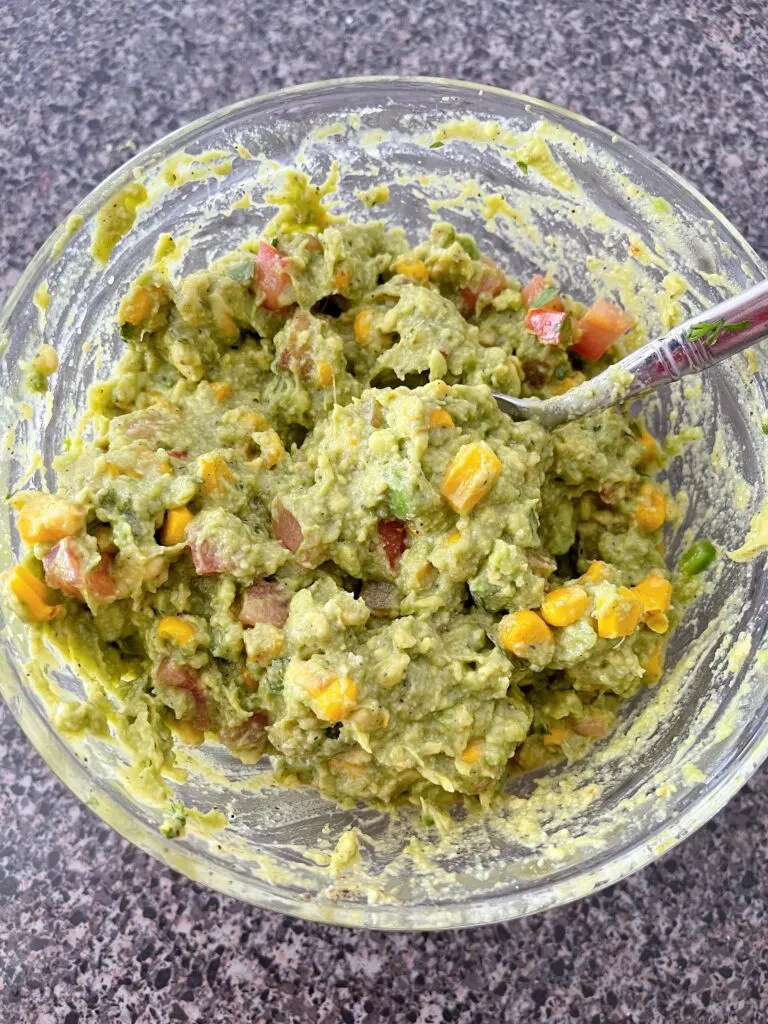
column 695, row 345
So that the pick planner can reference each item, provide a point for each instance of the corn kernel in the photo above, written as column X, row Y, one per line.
column 135, row 307
column 342, row 279
column 621, row 616
column 650, row 450
column 654, row 593
column 653, row 665
column 253, row 421
column 564, row 606
column 556, row 736
column 362, row 325
column 453, row 538
column 412, row 268
column 271, row 446
column 46, row 518
column 171, row 627
column 324, row 374
column 471, row 475
column 650, row 511
column 657, row 622
column 336, row 700
column 525, row 634
column 216, row 474
column 596, row 573
column 571, row 381
column 33, row 594
column 175, row 523
column 188, row 733
column 472, row 752
column 440, row 418
column 222, row 390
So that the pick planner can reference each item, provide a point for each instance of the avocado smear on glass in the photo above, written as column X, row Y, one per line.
column 301, row 527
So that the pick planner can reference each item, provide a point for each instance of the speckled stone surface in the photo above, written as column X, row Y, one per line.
column 92, row 930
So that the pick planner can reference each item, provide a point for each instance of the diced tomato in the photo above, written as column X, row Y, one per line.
column 601, row 325
column 594, row 728
column 537, row 284
column 393, row 534
column 206, row 556
column 182, row 677
column 178, row 453
column 531, row 292
column 247, row 735
column 64, row 572
column 271, row 279
column 63, row 568
column 99, row 582
column 546, row 324
column 287, row 529
column 295, row 355
column 264, row 602
column 490, row 282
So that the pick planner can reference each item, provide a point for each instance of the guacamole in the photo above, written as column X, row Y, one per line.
column 298, row 525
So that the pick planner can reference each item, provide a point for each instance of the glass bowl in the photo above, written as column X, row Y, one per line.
column 448, row 151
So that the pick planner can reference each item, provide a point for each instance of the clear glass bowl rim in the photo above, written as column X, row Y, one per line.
column 482, row 910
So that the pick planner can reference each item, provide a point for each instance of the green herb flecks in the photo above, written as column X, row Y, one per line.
column 436, row 145
column 522, row 166
column 544, row 296
column 709, row 331
column 175, row 820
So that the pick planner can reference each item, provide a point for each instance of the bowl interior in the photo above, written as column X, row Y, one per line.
column 607, row 219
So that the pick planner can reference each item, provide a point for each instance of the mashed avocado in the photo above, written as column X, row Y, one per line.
column 301, row 527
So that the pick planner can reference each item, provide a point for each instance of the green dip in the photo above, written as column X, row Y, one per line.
column 301, row 527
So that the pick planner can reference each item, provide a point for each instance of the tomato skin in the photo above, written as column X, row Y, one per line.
column 546, row 324
column 287, row 529
column 64, row 572
column 491, row 282
column 271, row 279
column 264, row 602
column 393, row 534
column 602, row 325
column 536, row 284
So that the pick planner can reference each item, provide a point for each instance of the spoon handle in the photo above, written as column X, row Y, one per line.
column 705, row 339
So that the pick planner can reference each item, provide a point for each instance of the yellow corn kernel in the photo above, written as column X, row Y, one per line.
column 46, row 518
column 135, row 307
column 253, row 421
column 525, row 634
column 336, row 700
column 188, row 733
column 342, row 279
column 271, row 446
column 556, row 736
column 33, row 594
column 657, row 622
column 216, row 474
column 412, row 268
column 222, row 390
column 175, row 523
column 440, row 418
column 621, row 617
column 472, row 752
column 324, row 374
column 654, row 593
column 171, row 627
column 650, row 450
column 653, row 665
column 363, row 325
column 471, row 475
column 596, row 573
column 650, row 511
column 453, row 538
column 564, row 606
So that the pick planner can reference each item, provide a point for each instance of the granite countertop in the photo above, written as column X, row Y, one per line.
column 91, row 930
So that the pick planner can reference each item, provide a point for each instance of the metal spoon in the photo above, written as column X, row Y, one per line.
column 695, row 345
